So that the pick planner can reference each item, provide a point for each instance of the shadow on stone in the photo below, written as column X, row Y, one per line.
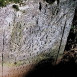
column 45, row 68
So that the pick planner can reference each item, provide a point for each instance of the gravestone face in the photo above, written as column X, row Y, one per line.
column 38, row 30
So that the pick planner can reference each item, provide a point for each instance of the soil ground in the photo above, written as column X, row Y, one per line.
column 13, row 71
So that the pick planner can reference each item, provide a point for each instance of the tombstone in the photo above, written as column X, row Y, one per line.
column 44, row 34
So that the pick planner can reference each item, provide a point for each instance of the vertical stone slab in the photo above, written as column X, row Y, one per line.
column 37, row 31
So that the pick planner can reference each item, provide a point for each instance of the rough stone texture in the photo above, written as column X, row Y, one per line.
column 36, row 30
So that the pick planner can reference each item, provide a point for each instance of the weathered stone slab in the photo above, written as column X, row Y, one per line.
column 38, row 30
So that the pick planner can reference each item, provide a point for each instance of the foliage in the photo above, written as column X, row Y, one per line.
column 50, row 1
column 16, row 7
column 5, row 2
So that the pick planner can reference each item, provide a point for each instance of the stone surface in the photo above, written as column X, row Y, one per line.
column 38, row 30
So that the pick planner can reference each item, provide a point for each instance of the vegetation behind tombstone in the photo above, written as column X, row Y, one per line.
column 5, row 2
